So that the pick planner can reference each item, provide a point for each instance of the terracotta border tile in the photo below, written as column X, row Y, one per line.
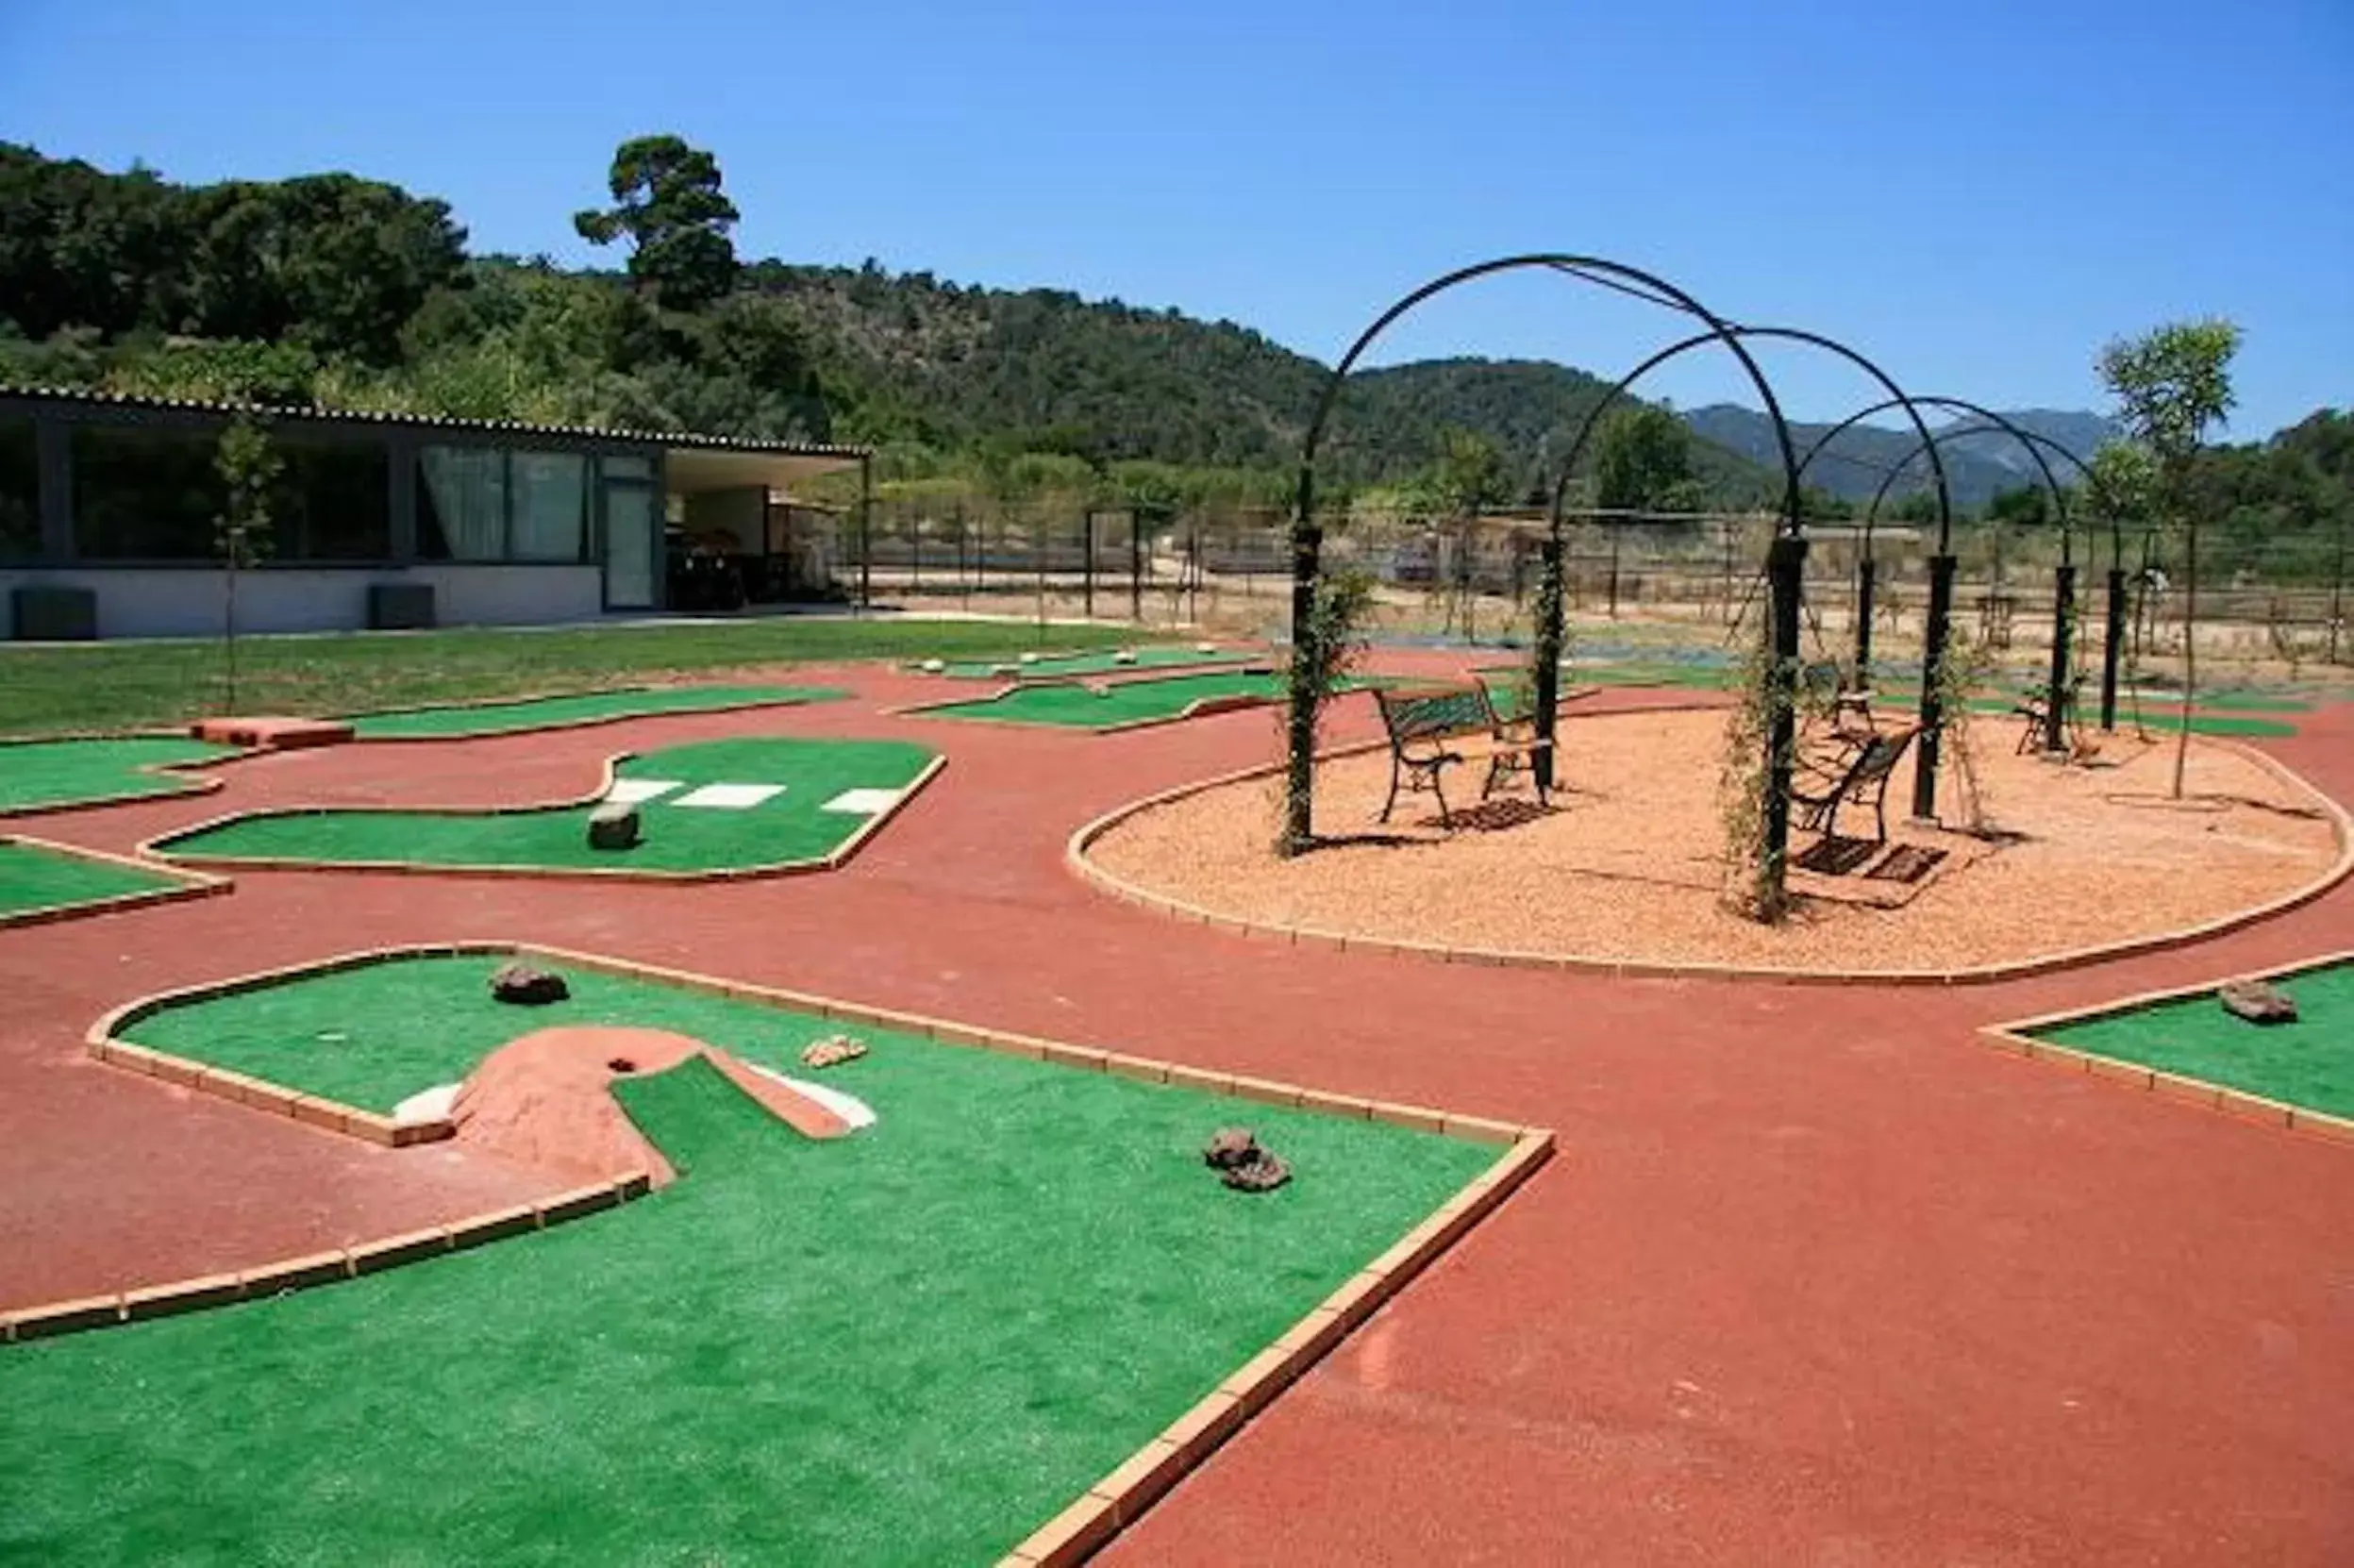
column 64, row 1317
column 393, row 1251
column 183, row 1295
column 295, row 1273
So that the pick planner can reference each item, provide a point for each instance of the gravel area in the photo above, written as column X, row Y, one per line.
column 1629, row 866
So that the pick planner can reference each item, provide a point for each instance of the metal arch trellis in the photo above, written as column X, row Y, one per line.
column 1932, row 715
column 1306, row 545
column 2038, row 448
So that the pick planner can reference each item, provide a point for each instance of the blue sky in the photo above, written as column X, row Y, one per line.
column 1977, row 195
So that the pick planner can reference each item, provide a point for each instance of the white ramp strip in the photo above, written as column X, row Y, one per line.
column 629, row 791
column 862, row 803
column 855, row 1112
column 730, row 798
column 431, row 1105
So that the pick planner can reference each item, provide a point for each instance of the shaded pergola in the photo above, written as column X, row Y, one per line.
column 1784, row 565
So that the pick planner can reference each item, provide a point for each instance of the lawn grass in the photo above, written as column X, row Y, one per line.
column 49, row 690
column 2310, row 1062
column 1064, row 666
column 911, row 1346
column 588, row 707
column 1072, row 706
column 2168, row 721
column 32, row 878
column 785, row 829
column 43, row 774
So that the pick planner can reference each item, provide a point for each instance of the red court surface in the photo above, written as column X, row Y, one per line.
column 1816, row 1278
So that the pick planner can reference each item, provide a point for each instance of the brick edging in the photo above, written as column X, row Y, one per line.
column 1121, row 1496
column 1077, row 857
column 2019, row 1037
column 175, row 772
column 833, row 860
column 188, row 884
column 332, row 1266
column 824, row 694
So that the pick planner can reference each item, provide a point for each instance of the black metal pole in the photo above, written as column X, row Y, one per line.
column 1785, row 569
column 1087, row 565
column 2337, row 590
column 1307, row 549
column 2062, row 613
column 1866, row 570
column 1551, row 617
column 867, row 538
column 1932, row 707
column 2113, row 648
column 1612, row 523
column 915, row 557
column 1136, row 566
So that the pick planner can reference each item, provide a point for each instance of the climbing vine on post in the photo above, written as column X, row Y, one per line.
column 1754, row 884
column 249, row 466
column 1325, row 649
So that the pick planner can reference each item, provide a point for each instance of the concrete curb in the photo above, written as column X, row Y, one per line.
column 191, row 884
column 284, row 1275
column 820, row 693
column 2019, row 1037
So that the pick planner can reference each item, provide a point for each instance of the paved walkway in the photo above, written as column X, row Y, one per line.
column 1816, row 1278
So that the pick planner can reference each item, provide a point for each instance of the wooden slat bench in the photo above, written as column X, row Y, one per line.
column 1433, row 729
column 1821, row 788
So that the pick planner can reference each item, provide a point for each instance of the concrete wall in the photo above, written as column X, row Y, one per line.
column 186, row 602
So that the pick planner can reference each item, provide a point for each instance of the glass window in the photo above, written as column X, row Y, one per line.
column 144, row 494
column 461, row 502
column 20, row 490
column 617, row 467
column 333, row 501
column 551, row 491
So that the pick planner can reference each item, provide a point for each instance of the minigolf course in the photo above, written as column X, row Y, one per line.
column 917, row 1343
column 49, row 775
column 2308, row 1063
column 466, row 720
column 1119, row 704
column 714, row 807
column 40, row 883
column 1103, row 663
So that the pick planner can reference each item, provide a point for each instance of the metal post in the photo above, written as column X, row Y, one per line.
column 1551, row 616
column 1087, row 563
column 1866, row 571
column 915, row 557
column 1932, row 660
column 2113, row 648
column 2337, row 590
column 1612, row 523
column 1785, row 570
column 866, row 534
column 2055, row 693
column 1307, row 547
column 1136, row 565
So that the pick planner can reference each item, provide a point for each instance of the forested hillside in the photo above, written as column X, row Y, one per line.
column 350, row 293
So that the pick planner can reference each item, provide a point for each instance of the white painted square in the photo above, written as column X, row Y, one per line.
column 730, row 798
column 629, row 791
column 862, row 803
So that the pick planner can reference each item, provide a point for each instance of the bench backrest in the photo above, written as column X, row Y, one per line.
column 1431, row 715
column 1877, row 758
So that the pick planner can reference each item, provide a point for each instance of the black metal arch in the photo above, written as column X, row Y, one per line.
column 1307, row 538
column 1549, row 633
column 2036, row 446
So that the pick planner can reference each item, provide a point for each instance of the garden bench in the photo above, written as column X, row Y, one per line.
column 1820, row 790
column 1822, row 690
column 1431, row 729
column 2034, row 705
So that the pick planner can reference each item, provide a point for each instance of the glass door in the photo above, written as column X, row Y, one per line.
column 631, row 550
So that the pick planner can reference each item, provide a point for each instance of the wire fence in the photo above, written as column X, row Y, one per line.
column 2271, row 603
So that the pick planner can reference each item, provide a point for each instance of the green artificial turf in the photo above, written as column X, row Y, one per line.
column 32, row 879
column 1706, row 676
column 120, row 685
column 2310, row 1062
column 785, row 829
column 43, row 773
column 584, row 707
column 1062, row 666
column 1072, row 706
column 2166, row 721
column 911, row 1346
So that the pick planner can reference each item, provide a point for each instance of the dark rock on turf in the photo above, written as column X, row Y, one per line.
column 1230, row 1147
column 2259, row 1002
column 1262, row 1174
column 614, row 826
column 528, row 987
column 1242, row 1164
